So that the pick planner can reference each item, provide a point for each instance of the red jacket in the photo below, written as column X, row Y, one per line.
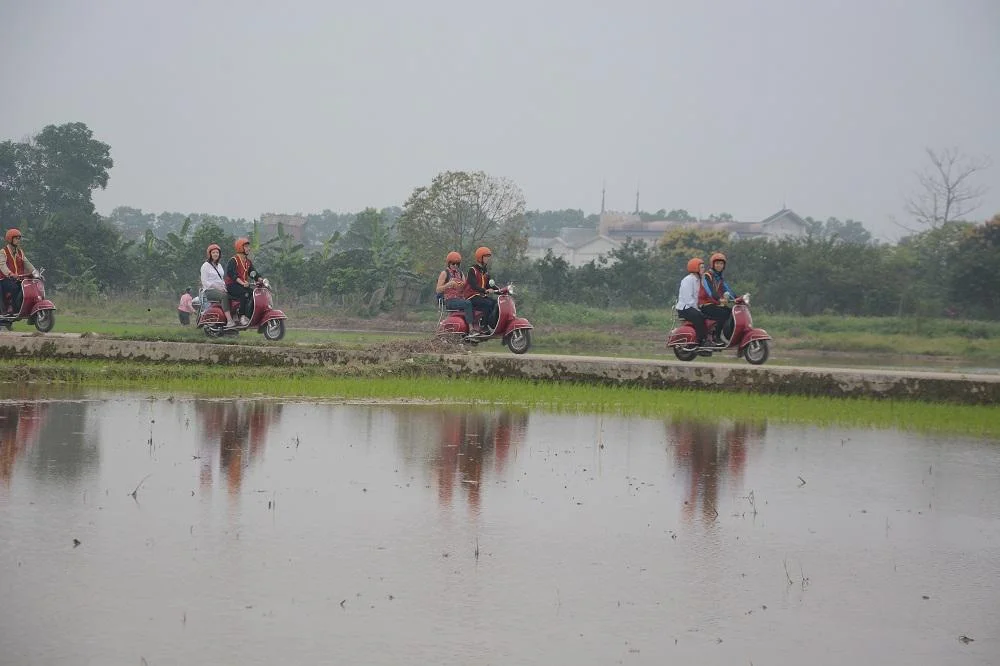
column 477, row 282
column 14, row 260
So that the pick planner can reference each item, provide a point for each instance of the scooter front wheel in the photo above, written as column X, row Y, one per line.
column 274, row 330
column 757, row 352
column 45, row 320
column 519, row 341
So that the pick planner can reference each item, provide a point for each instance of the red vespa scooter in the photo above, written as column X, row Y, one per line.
column 750, row 343
column 513, row 330
column 37, row 309
column 267, row 320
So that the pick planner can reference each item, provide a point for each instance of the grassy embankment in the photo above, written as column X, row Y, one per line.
column 578, row 330
column 402, row 381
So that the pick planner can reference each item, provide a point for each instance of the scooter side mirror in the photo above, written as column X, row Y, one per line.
column 493, row 283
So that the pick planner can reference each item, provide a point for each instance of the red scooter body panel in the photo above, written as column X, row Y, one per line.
column 43, row 304
column 518, row 322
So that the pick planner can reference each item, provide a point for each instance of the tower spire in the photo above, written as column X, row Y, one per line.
column 637, row 198
column 604, row 184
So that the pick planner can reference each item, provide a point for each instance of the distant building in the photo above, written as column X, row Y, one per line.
column 293, row 225
column 578, row 246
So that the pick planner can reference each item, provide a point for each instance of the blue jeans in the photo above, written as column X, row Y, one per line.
column 461, row 304
column 12, row 287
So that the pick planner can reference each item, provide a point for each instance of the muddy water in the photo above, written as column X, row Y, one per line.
column 283, row 532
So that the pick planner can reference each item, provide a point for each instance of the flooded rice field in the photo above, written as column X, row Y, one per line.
column 148, row 530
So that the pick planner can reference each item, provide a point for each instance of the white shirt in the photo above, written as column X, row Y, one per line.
column 687, row 295
column 212, row 279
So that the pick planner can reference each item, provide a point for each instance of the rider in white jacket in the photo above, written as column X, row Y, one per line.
column 212, row 283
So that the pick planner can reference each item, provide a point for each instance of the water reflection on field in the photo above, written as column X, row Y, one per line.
column 268, row 532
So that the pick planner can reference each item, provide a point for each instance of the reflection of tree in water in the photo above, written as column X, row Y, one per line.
column 234, row 435
column 711, row 454
column 470, row 441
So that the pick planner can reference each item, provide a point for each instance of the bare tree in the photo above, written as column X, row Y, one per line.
column 946, row 190
column 460, row 210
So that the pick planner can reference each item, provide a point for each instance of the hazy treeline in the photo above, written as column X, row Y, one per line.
column 46, row 185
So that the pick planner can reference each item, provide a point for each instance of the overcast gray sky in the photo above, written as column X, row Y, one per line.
column 237, row 108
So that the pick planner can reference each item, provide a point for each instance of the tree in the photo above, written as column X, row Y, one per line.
column 373, row 257
column 460, row 211
column 132, row 222
column 848, row 231
column 54, row 173
column 46, row 187
column 946, row 191
column 974, row 274
column 680, row 215
column 678, row 245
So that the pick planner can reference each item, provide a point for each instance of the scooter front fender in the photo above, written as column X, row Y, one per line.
column 518, row 322
column 43, row 304
column 752, row 335
column 272, row 314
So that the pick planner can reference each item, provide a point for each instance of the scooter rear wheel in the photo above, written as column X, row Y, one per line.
column 686, row 353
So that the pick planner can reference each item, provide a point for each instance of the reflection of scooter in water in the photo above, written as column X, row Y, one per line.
column 20, row 426
column 712, row 455
column 234, row 436
column 469, row 441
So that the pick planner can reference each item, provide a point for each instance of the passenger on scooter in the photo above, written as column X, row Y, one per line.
column 715, row 296
column 477, row 289
column 451, row 285
column 213, row 283
column 239, row 272
column 687, row 299
column 14, row 263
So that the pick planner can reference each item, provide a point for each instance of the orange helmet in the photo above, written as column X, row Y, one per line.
column 718, row 256
column 240, row 242
column 208, row 251
column 694, row 264
column 11, row 233
column 483, row 252
column 453, row 258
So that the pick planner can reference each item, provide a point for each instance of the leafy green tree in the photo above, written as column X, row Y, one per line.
column 676, row 246
column 281, row 258
column 680, row 215
column 132, row 222
column 974, row 276
column 848, row 231
column 46, row 188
